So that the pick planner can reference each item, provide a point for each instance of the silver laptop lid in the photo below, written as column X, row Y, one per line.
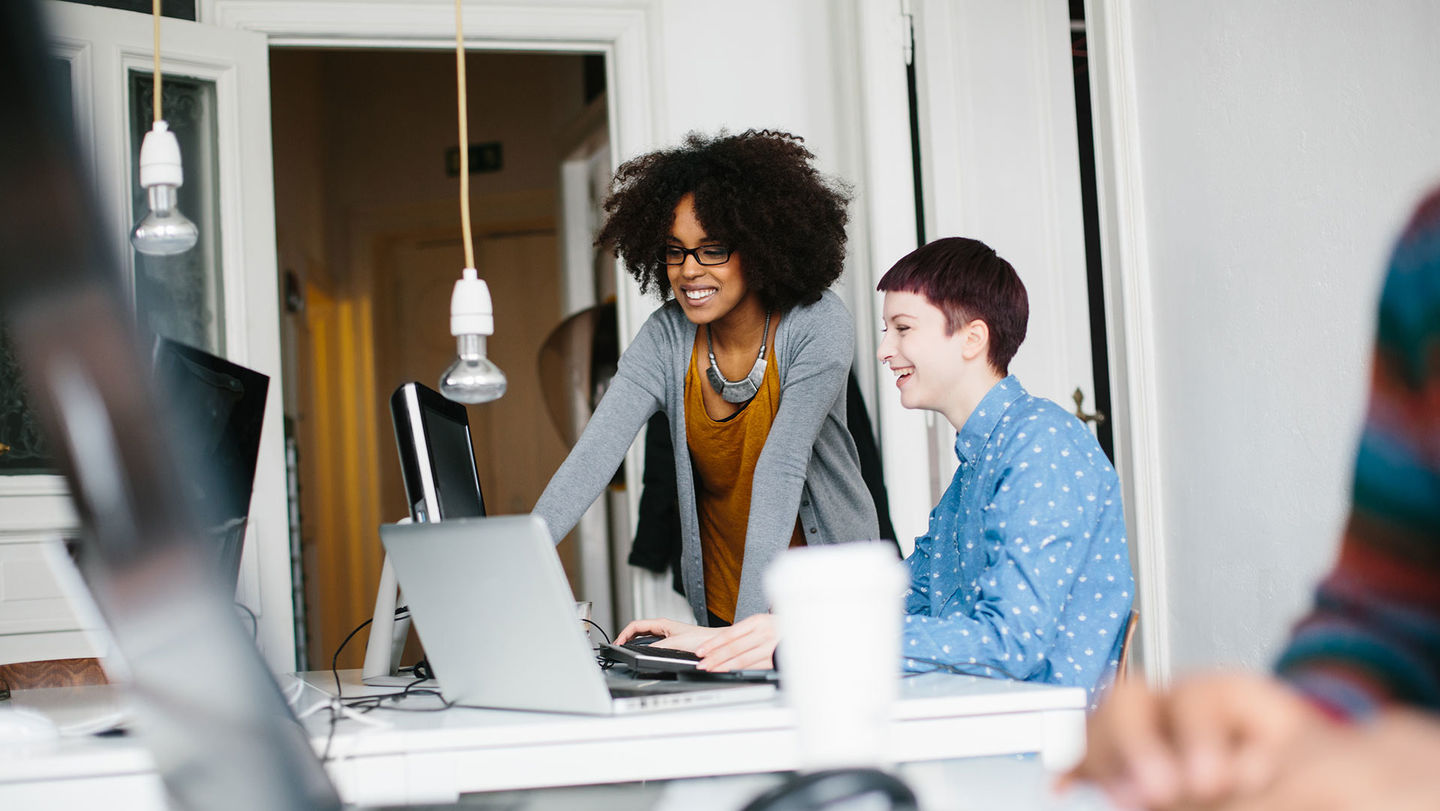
column 496, row 615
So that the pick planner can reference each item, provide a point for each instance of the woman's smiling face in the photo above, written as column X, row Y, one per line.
column 706, row 293
column 921, row 351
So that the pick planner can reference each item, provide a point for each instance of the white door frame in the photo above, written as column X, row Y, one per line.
column 1129, row 317
column 626, row 32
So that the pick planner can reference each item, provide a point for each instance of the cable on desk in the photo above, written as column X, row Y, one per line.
column 356, row 706
column 335, row 660
column 960, row 669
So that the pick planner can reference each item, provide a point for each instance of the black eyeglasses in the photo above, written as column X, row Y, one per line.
column 706, row 255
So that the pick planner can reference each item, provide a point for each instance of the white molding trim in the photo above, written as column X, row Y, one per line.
column 626, row 31
column 37, row 503
column 885, row 217
column 1128, row 311
column 39, row 484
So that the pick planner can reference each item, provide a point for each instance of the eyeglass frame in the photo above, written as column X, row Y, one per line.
column 695, row 252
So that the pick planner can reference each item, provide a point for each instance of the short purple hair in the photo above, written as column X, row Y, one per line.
column 967, row 280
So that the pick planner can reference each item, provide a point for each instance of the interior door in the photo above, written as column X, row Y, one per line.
column 222, row 294
column 1000, row 163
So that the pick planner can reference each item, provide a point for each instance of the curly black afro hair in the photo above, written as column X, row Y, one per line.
column 755, row 192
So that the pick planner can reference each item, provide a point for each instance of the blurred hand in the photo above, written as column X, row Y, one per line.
column 1209, row 741
column 1392, row 763
column 747, row 645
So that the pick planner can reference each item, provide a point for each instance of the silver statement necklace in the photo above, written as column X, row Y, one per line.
column 742, row 390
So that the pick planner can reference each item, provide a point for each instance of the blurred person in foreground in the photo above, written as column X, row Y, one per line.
column 1352, row 717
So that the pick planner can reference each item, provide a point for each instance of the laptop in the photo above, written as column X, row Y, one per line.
column 492, row 606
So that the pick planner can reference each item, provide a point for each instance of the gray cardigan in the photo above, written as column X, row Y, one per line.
column 809, row 466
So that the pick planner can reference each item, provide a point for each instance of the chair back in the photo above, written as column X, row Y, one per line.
column 1131, row 624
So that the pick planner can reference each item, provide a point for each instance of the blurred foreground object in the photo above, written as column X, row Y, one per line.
column 206, row 706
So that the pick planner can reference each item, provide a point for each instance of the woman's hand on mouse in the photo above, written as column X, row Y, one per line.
column 674, row 634
column 747, row 645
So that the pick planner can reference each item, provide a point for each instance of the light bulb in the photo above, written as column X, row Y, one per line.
column 472, row 378
column 164, row 231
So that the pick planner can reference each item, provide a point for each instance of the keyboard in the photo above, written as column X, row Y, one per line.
column 661, row 653
column 650, row 658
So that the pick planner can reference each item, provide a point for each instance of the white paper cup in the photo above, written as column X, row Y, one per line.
column 838, row 612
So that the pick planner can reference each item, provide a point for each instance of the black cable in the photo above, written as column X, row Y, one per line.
column 598, row 628
column 946, row 667
column 335, row 660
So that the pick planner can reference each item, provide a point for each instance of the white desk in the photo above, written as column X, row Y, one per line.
column 436, row 756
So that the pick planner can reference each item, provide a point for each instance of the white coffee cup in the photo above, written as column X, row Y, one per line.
column 838, row 613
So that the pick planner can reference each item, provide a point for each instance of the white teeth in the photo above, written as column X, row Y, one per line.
column 899, row 373
column 696, row 295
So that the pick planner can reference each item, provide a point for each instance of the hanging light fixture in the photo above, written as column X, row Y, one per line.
column 164, row 231
column 472, row 377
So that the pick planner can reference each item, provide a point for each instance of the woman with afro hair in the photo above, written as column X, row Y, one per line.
column 741, row 238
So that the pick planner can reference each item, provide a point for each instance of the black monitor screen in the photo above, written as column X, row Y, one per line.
column 454, row 466
column 218, row 409
column 437, row 459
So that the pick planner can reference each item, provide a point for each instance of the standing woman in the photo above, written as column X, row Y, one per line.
column 741, row 238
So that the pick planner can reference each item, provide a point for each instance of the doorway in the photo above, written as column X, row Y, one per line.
column 369, row 244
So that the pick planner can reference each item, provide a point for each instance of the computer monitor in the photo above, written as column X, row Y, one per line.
column 437, row 459
column 218, row 408
column 437, row 462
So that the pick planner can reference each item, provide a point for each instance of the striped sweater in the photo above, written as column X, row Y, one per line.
column 1373, row 636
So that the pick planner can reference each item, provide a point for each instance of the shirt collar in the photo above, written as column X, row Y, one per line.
column 982, row 421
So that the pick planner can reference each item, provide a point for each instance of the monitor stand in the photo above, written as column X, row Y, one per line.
column 388, row 632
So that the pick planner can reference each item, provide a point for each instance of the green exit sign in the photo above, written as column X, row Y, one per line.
column 484, row 157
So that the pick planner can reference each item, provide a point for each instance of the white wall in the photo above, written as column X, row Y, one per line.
column 757, row 64
column 1281, row 144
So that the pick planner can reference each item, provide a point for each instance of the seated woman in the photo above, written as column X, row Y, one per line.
column 748, row 357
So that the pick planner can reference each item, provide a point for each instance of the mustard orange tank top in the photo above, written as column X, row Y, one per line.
column 723, row 454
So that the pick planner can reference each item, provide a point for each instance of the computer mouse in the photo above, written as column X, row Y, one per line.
column 817, row 790
column 646, row 639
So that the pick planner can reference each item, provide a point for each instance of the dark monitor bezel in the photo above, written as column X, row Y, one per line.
column 411, row 407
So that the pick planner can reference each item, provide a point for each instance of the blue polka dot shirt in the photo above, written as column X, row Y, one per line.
column 1024, row 571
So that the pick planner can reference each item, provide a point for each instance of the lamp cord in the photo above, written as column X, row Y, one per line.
column 464, row 135
column 155, row 101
